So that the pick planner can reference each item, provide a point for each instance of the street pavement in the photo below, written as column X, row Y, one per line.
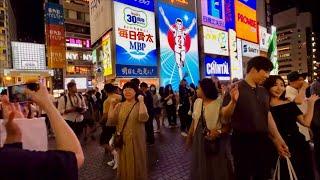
column 167, row 158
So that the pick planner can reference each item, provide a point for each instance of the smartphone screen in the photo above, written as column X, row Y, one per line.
column 16, row 92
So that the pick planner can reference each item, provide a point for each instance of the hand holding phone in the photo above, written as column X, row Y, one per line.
column 17, row 93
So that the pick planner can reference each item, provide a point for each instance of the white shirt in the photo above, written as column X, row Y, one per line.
column 291, row 94
column 211, row 113
column 76, row 102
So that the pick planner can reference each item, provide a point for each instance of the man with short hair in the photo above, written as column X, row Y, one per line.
column 296, row 92
column 72, row 106
column 184, row 108
column 247, row 106
column 148, row 100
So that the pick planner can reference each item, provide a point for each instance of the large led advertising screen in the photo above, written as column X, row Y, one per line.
column 136, row 54
column 178, row 45
column 213, row 13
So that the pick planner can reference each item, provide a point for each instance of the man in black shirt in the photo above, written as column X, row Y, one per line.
column 184, row 107
column 247, row 106
column 148, row 101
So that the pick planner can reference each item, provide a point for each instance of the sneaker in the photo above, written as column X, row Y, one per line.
column 184, row 134
column 111, row 163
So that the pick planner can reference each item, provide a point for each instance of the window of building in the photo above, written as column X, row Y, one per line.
column 3, row 31
column 299, row 64
column 298, row 30
column 80, row 16
column 72, row 14
column 77, row 29
column 4, row 51
column 66, row 13
column 87, row 17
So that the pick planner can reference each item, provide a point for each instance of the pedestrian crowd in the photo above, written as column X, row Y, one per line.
column 251, row 128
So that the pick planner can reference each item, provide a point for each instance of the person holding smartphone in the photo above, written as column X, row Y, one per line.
column 62, row 163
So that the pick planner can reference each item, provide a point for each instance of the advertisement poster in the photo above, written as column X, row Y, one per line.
column 235, row 63
column 213, row 13
column 250, row 3
column 100, row 18
column 240, row 59
column 106, row 55
column 250, row 49
column 215, row 41
column 273, row 51
column 229, row 14
column 178, row 45
column 218, row 67
column 182, row 4
column 54, row 14
column 143, row 4
column 135, row 41
column 246, row 22
column 264, row 39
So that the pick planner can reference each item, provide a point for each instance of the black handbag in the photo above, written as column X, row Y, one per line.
column 118, row 138
column 210, row 146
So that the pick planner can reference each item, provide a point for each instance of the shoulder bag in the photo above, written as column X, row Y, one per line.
column 118, row 138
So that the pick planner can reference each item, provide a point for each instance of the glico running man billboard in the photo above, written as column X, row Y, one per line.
column 178, row 45
column 136, row 41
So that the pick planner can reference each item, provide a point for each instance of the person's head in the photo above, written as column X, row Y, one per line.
column 144, row 87
column 295, row 79
column 109, row 88
column 183, row 83
column 168, row 89
column 258, row 69
column 234, row 80
column 161, row 91
column 135, row 82
column 179, row 24
column 153, row 89
column 193, row 86
column 275, row 85
column 207, row 89
column 129, row 91
column 72, row 87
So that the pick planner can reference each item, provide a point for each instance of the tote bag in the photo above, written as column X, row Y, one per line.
column 292, row 173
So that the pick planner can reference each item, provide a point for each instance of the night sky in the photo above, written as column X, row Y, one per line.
column 30, row 16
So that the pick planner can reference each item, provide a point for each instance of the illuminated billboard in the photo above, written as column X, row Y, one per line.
column 246, row 22
column 215, row 41
column 28, row 56
column 136, row 54
column 250, row 49
column 213, row 13
column 178, row 45
column 218, row 67
column 235, row 61
column 106, row 55
column 264, row 39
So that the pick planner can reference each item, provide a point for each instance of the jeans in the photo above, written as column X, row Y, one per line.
column 171, row 114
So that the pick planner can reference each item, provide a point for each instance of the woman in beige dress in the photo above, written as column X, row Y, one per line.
column 133, row 154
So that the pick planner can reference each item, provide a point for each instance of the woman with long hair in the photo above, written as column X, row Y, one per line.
column 170, row 104
column 286, row 115
column 156, row 106
column 209, row 136
column 130, row 117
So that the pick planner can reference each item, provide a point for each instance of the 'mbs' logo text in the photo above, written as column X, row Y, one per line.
column 244, row 19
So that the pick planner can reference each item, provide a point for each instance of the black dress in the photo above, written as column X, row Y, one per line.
column 285, row 117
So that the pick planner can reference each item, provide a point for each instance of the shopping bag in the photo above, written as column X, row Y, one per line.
column 34, row 133
column 292, row 173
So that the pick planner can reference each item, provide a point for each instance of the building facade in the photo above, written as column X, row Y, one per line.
column 77, row 27
column 8, row 33
column 294, row 30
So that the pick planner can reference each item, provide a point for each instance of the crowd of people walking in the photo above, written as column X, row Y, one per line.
column 235, row 130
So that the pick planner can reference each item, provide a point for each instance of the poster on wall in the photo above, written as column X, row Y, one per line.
column 246, row 22
column 229, row 14
column 178, row 45
column 235, row 63
column 218, row 67
column 135, row 41
column 106, row 55
column 215, row 41
column 250, row 49
column 213, row 13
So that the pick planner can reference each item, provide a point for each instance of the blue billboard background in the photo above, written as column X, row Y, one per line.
column 136, row 71
column 230, row 14
column 217, row 66
column 143, row 4
column 250, row 3
column 54, row 14
column 169, row 73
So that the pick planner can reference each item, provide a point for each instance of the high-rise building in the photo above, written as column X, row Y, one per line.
column 77, row 27
column 8, row 33
column 294, row 31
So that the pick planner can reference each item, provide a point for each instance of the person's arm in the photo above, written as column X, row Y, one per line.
column 306, row 119
column 188, row 30
column 300, row 98
column 66, row 140
column 227, row 111
column 114, row 110
column 143, row 112
column 276, row 138
column 166, row 21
